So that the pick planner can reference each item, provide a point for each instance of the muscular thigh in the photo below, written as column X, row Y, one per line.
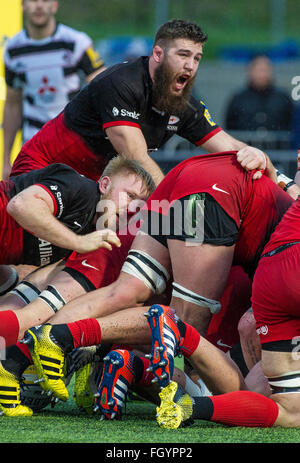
column 144, row 242
column 203, row 268
column 282, row 370
column 200, row 272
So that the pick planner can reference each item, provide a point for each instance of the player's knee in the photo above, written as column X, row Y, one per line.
column 128, row 291
column 289, row 410
column 147, row 270
column 247, row 325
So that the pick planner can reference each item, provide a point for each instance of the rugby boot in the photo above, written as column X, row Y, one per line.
column 166, row 342
column 10, row 395
column 86, row 363
column 85, row 388
column 49, row 360
column 176, row 407
column 32, row 394
column 117, row 376
column 77, row 359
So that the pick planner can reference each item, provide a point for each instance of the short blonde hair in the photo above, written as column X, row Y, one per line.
column 120, row 164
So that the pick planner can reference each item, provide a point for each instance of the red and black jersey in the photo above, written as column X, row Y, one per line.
column 256, row 206
column 75, row 198
column 288, row 230
column 121, row 95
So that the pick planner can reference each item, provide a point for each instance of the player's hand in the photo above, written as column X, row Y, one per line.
column 294, row 191
column 252, row 158
column 97, row 239
column 297, row 178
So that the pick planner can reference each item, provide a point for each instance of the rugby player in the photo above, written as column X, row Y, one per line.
column 46, row 214
column 247, row 213
column 123, row 184
column 275, row 302
column 44, row 66
column 134, row 108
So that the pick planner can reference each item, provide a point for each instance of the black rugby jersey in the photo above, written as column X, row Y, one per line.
column 121, row 95
column 75, row 198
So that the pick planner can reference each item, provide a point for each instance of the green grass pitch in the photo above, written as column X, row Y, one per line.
column 65, row 424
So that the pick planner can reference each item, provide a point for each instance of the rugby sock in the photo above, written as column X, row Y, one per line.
column 25, row 351
column 9, row 328
column 190, row 337
column 81, row 333
column 17, row 359
column 239, row 408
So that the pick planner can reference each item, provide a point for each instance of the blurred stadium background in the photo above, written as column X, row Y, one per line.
column 236, row 31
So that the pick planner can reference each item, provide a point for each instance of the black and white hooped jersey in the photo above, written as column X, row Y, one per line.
column 49, row 72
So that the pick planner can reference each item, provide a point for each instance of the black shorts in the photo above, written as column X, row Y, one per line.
column 196, row 218
column 287, row 345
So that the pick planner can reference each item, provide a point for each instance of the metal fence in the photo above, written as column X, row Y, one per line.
column 285, row 159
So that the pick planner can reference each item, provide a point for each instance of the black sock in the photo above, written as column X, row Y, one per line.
column 101, row 351
column 203, row 408
column 138, row 368
column 63, row 337
column 181, row 328
column 15, row 362
column 236, row 353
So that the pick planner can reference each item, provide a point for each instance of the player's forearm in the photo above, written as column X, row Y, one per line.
column 12, row 122
column 146, row 162
column 35, row 216
column 222, row 141
column 152, row 167
column 270, row 170
column 130, row 143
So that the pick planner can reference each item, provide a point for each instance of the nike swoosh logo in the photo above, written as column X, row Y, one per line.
column 214, row 187
column 85, row 264
column 220, row 343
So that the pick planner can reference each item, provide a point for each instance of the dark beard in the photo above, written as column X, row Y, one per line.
column 162, row 98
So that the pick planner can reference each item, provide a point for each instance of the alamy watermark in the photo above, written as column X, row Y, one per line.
column 160, row 217
column 296, row 90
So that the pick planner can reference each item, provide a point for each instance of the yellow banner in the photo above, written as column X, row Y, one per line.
column 10, row 23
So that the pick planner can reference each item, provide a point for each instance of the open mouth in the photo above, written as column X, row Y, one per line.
column 181, row 81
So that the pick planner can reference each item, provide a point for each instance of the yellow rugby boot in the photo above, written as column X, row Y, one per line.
column 85, row 387
column 176, row 407
column 10, row 395
column 49, row 359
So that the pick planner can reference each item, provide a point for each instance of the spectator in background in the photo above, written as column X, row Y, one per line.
column 43, row 67
column 261, row 105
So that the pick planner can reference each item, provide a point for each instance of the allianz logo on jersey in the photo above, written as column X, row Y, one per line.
column 172, row 123
column 123, row 112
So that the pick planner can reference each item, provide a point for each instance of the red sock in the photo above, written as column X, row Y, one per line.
column 85, row 332
column 190, row 341
column 9, row 328
column 25, row 349
column 244, row 408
